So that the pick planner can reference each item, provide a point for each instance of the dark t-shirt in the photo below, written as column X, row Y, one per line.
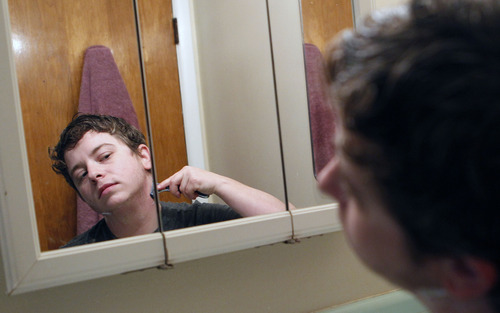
column 174, row 216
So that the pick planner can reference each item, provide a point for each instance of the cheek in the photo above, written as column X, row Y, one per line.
column 136, row 170
column 358, row 232
column 363, row 236
column 379, row 245
column 84, row 192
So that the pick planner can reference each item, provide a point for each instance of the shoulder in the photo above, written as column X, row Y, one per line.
column 181, row 215
column 98, row 232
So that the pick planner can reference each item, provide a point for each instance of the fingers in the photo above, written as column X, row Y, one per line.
column 165, row 184
column 189, row 181
column 186, row 187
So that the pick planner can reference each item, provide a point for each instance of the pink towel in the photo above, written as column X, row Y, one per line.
column 102, row 91
column 321, row 114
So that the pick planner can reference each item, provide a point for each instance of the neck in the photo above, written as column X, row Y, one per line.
column 439, row 301
column 135, row 220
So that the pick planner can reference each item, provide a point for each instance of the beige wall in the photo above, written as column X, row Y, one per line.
column 318, row 272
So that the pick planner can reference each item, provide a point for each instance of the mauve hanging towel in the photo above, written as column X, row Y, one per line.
column 321, row 115
column 102, row 91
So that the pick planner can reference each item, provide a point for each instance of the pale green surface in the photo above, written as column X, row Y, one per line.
column 394, row 302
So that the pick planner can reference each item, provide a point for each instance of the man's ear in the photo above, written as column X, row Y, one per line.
column 468, row 277
column 145, row 156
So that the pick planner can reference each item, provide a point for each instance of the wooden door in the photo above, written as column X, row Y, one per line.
column 160, row 60
column 323, row 19
column 49, row 39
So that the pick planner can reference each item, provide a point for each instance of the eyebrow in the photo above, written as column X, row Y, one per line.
column 93, row 152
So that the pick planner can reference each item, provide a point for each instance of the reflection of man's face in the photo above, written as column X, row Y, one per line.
column 371, row 231
column 107, row 174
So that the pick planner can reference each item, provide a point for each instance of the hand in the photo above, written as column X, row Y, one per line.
column 245, row 200
column 192, row 182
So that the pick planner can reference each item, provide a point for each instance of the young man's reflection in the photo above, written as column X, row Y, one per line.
column 107, row 161
column 417, row 162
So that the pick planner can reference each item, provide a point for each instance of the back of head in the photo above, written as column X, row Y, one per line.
column 84, row 123
column 421, row 84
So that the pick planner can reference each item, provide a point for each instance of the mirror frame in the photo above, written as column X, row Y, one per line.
column 27, row 268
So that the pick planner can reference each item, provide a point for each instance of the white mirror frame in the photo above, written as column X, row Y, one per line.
column 27, row 268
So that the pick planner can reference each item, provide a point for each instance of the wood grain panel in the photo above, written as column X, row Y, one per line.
column 50, row 38
column 323, row 19
column 160, row 60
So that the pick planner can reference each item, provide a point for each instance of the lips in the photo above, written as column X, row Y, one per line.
column 103, row 188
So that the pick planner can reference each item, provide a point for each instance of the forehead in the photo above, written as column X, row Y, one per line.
column 90, row 142
column 94, row 138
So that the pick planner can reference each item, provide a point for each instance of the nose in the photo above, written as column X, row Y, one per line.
column 95, row 172
column 328, row 178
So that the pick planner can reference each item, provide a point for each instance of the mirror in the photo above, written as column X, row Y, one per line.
column 61, row 35
column 318, row 29
column 50, row 90
column 287, row 34
column 237, row 91
column 28, row 268
column 321, row 21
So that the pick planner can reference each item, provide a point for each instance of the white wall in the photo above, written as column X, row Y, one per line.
column 317, row 273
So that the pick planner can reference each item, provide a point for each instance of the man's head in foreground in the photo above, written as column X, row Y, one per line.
column 418, row 148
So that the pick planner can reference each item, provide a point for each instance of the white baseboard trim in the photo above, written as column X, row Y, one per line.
column 393, row 302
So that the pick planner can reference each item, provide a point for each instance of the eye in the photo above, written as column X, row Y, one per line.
column 105, row 156
column 80, row 176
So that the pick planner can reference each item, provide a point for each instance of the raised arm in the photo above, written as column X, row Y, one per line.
column 245, row 200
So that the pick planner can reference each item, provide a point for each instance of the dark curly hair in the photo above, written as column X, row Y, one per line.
column 420, row 84
column 84, row 123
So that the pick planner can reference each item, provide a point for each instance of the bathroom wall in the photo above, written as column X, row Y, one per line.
column 317, row 273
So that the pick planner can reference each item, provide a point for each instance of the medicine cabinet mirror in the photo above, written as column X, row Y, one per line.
column 50, row 93
column 203, row 59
